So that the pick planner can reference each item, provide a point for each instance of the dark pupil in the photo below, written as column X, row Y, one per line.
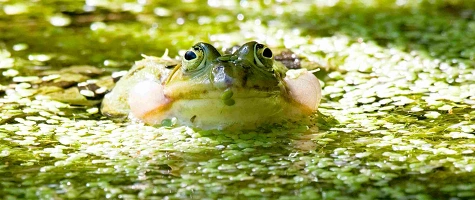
column 190, row 55
column 267, row 53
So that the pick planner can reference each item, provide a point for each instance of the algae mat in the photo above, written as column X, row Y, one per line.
column 398, row 76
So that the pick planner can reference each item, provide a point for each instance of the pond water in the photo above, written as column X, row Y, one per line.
column 398, row 108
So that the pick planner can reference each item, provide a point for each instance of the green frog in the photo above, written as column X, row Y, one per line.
column 244, row 90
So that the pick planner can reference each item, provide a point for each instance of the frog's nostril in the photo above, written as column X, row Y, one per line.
column 220, row 78
column 218, row 69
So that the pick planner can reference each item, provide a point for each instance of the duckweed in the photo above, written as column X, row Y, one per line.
column 396, row 121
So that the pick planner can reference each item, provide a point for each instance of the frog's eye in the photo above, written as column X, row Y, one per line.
column 193, row 58
column 190, row 55
column 267, row 53
column 263, row 55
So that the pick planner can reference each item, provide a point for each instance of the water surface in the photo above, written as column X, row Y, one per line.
column 398, row 76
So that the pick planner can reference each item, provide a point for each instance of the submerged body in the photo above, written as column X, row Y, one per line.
column 208, row 90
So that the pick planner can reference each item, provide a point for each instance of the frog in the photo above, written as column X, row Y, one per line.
column 245, row 89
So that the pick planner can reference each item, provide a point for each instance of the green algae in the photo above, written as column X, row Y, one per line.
column 399, row 104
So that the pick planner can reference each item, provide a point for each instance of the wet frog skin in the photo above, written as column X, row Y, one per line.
column 243, row 90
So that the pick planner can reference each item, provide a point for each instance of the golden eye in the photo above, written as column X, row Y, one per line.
column 193, row 58
column 190, row 55
column 263, row 56
column 267, row 53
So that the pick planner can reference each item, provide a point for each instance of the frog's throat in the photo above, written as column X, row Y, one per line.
column 208, row 112
column 202, row 105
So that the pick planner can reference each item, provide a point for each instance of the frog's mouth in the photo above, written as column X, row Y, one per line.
column 212, row 108
column 221, row 87
column 148, row 96
column 151, row 101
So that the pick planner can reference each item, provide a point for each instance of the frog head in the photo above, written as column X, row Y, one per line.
column 243, row 90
